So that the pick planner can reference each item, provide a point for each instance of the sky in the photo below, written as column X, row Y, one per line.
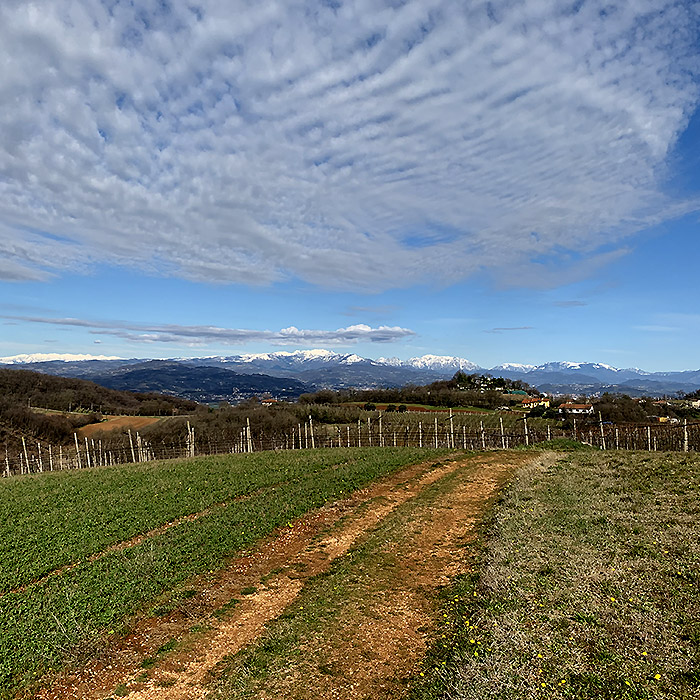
column 500, row 181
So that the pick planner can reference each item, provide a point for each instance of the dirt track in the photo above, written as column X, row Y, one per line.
column 396, row 627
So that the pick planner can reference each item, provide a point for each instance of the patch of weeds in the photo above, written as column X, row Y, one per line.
column 249, row 590
column 271, row 574
column 226, row 608
column 121, row 690
column 166, row 648
column 173, row 603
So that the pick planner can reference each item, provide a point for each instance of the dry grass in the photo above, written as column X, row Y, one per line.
column 586, row 587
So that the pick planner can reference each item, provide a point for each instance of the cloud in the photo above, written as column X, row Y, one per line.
column 514, row 328
column 379, row 311
column 362, row 145
column 205, row 335
column 656, row 329
column 571, row 303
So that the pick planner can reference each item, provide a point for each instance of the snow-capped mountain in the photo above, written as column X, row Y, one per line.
column 52, row 357
column 512, row 367
column 327, row 369
column 575, row 366
column 284, row 361
column 433, row 363
column 585, row 371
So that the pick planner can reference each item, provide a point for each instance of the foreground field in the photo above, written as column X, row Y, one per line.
column 581, row 583
column 82, row 551
column 587, row 587
column 338, row 604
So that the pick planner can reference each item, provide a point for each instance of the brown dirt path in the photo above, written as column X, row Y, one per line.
column 278, row 569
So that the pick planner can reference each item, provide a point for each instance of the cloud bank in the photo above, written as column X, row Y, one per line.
column 206, row 335
column 347, row 144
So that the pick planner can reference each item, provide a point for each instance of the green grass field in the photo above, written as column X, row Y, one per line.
column 586, row 587
column 52, row 520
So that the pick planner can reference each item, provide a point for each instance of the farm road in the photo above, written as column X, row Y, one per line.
column 412, row 528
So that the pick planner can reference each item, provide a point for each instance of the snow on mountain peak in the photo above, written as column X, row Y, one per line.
column 52, row 357
column 352, row 359
column 441, row 362
column 431, row 362
column 391, row 361
column 514, row 367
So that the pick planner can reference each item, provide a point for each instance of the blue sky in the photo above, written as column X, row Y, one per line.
column 502, row 181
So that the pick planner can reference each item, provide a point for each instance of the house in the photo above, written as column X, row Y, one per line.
column 269, row 402
column 533, row 401
column 576, row 408
column 695, row 404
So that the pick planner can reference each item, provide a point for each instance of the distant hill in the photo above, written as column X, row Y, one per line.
column 198, row 383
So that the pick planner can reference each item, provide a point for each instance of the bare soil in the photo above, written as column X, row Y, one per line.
column 117, row 423
column 229, row 609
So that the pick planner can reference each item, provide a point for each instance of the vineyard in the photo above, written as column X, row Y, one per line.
column 439, row 430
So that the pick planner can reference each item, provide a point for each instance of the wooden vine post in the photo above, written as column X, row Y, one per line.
column 131, row 443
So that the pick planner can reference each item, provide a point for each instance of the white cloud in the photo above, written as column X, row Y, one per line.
column 207, row 335
column 656, row 329
column 365, row 146
column 511, row 328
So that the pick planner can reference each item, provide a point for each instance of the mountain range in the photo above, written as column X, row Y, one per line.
column 288, row 374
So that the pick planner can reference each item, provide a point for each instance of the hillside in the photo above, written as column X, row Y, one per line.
column 202, row 384
column 28, row 399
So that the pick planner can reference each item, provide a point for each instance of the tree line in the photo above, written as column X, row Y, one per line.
column 478, row 390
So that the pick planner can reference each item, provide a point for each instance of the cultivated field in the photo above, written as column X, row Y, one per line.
column 79, row 527
column 361, row 573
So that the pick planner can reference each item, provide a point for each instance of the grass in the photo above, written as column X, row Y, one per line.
column 561, row 444
column 55, row 519
column 51, row 520
column 586, row 587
